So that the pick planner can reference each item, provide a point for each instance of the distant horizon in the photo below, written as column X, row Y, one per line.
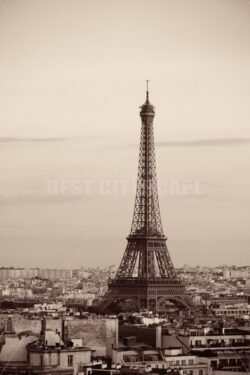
column 113, row 265
column 172, row 142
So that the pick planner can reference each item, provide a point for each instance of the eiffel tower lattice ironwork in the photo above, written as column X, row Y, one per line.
column 146, row 274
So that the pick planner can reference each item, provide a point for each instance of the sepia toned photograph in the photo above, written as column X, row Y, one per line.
column 125, row 187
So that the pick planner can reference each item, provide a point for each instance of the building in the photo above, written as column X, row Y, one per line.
column 159, row 353
column 28, row 273
column 200, row 340
column 98, row 334
column 49, row 352
column 233, row 311
column 150, row 358
column 186, row 364
column 58, row 358
column 227, row 350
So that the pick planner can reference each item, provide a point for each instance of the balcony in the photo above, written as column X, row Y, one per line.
column 213, row 345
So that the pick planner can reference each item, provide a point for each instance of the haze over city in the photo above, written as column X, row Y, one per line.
column 73, row 78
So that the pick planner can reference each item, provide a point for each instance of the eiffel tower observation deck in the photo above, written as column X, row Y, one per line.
column 146, row 275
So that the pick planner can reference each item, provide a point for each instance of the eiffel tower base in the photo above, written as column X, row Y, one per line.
column 150, row 295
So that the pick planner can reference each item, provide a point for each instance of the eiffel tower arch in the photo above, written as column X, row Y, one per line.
column 146, row 274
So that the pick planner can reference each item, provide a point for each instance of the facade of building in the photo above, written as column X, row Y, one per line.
column 186, row 364
column 199, row 340
column 44, row 273
column 236, row 311
column 227, row 351
column 58, row 359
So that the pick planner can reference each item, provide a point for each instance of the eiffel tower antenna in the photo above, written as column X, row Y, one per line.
column 147, row 94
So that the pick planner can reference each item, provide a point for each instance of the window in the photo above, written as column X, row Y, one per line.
column 213, row 364
column 200, row 372
column 70, row 360
column 197, row 342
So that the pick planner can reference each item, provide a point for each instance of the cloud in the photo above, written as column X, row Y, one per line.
column 206, row 142
column 30, row 199
column 212, row 142
column 185, row 143
column 17, row 139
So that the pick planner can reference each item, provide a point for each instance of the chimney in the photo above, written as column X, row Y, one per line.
column 9, row 327
column 158, row 337
column 43, row 330
column 65, row 333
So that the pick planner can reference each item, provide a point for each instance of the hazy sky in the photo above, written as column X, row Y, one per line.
column 76, row 69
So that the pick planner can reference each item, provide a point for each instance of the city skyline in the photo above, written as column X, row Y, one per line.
column 124, row 187
column 219, row 266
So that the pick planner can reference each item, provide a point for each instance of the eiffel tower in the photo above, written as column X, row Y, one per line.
column 146, row 275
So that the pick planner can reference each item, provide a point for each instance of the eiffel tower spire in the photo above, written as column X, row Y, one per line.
column 146, row 272
column 147, row 219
